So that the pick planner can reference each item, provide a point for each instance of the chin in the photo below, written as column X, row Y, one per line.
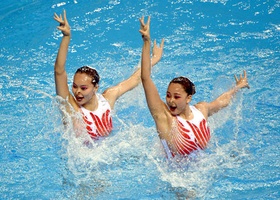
column 80, row 103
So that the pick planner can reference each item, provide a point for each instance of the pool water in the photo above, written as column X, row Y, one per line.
column 208, row 40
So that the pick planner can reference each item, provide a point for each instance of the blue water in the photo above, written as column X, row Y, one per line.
column 209, row 41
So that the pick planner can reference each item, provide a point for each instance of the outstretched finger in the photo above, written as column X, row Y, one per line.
column 155, row 43
column 240, row 77
column 59, row 20
column 149, row 20
column 56, row 17
column 245, row 74
column 65, row 18
column 236, row 79
column 162, row 43
column 142, row 21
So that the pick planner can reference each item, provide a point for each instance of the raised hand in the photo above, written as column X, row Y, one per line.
column 145, row 29
column 63, row 24
column 242, row 82
column 157, row 51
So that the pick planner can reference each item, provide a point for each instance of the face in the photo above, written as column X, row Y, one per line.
column 83, row 89
column 177, row 99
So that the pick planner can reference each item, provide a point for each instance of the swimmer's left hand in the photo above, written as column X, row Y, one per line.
column 242, row 82
column 157, row 51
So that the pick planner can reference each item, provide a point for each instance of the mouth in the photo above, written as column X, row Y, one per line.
column 172, row 108
column 79, row 99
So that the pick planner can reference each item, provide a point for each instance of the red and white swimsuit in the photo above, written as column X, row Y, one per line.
column 188, row 135
column 98, row 122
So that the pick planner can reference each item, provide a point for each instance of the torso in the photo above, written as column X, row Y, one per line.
column 98, row 122
column 187, row 136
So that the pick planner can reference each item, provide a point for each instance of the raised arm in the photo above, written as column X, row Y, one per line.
column 59, row 67
column 224, row 99
column 155, row 104
column 113, row 93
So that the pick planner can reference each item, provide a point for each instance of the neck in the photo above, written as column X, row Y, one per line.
column 188, row 114
column 92, row 105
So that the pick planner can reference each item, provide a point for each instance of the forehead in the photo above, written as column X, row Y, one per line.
column 175, row 88
column 82, row 79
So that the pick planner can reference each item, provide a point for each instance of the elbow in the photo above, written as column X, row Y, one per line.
column 145, row 79
column 146, row 82
column 145, row 75
column 59, row 72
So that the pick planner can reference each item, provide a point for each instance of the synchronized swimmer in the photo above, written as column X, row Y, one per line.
column 182, row 127
column 85, row 99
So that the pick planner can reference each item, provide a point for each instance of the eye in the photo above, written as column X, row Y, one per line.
column 83, row 88
column 168, row 95
column 177, row 97
column 74, row 86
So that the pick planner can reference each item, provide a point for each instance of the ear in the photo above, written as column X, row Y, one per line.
column 95, row 88
column 189, row 98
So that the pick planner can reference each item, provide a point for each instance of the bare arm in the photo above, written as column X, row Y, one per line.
column 224, row 99
column 59, row 67
column 113, row 93
column 155, row 104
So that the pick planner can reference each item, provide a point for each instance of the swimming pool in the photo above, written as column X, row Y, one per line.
column 207, row 40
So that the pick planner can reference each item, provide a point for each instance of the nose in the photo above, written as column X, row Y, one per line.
column 76, row 91
column 170, row 100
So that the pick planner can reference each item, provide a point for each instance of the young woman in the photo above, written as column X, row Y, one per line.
column 182, row 127
column 95, row 108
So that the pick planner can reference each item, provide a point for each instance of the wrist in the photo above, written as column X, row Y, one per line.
column 146, row 39
column 236, row 88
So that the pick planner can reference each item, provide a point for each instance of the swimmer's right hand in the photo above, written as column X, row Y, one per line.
column 242, row 81
column 145, row 29
column 63, row 24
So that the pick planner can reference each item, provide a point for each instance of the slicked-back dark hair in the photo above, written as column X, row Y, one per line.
column 188, row 86
column 90, row 72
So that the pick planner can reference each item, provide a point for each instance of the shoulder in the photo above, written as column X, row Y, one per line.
column 111, row 95
column 203, row 108
column 201, row 105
